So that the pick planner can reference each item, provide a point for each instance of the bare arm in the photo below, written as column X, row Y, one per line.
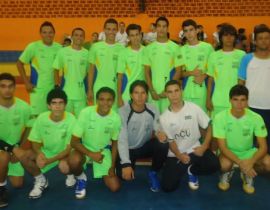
column 119, row 89
column 28, row 85
column 57, row 80
column 90, row 93
column 76, row 144
column 209, row 103
column 241, row 82
column 148, row 79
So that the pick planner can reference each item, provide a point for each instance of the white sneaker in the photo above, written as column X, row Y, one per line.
column 224, row 182
column 70, row 181
column 80, row 190
column 39, row 187
column 248, row 184
column 193, row 181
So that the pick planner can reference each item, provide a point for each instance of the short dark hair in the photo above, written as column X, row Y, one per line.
column 172, row 82
column 238, row 90
column 260, row 29
column 140, row 83
column 225, row 30
column 77, row 29
column 56, row 93
column 241, row 30
column 110, row 20
column 46, row 23
column 162, row 18
column 105, row 90
column 189, row 22
column 133, row 27
column 8, row 76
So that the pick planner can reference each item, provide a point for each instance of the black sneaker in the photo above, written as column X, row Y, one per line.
column 3, row 197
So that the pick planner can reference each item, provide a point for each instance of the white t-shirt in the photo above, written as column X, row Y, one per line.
column 102, row 36
column 183, row 126
column 122, row 38
column 257, row 82
column 150, row 36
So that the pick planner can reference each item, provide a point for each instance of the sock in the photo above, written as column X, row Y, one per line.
column 40, row 178
column 82, row 176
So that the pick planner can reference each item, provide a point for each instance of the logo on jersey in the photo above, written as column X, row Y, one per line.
column 188, row 117
column 182, row 134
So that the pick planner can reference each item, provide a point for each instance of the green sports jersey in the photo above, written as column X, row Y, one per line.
column 13, row 121
column 41, row 58
column 105, row 56
column 130, row 64
column 74, row 64
column 239, row 133
column 190, row 58
column 161, row 59
column 54, row 136
column 223, row 67
column 95, row 130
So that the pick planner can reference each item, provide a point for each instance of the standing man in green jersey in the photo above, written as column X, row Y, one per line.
column 159, row 63
column 50, row 138
column 235, row 129
column 40, row 55
column 14, row 118
column 222, row 71
column 95, row 138
column 73, row 61
column 130, row 63
column 103, row 57
column 193, row 59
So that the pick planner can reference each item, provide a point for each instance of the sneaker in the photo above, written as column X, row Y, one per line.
column 80, row 190
column 193, row 181
column 154, row 182
column 248, row 184
column 224, row 181
column 70, row 181
column 3, row 197
column 39, row 187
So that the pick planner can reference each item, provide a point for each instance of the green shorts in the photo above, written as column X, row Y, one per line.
column 245, row 154
column 38, row 101
column 76, row 106
column 101, row 169
column 15, row 169
column 49, row 167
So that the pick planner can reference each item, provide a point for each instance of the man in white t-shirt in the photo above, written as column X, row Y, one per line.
column 254, row 73
column 121, row 36
column 180, row 125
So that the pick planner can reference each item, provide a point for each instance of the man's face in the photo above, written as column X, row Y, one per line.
column 7, row 89
column 174, row 93
column 94, row 37
column 105, row 101
column 78, row 37
column 138, row 96
column 47, row 34
column 263, row 41
column 110, row 31
column 162, row 29
column 134, row 37
column 122, row 27
column 190, row 33
column 239, row 103
column 57, row 106
column 228, row 40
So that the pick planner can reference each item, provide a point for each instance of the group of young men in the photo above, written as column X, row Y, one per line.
column 113, row 105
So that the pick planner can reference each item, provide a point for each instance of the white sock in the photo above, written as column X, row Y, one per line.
column 82, row 176
column 70, row 176
column 2, row 184
column 40, row 178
